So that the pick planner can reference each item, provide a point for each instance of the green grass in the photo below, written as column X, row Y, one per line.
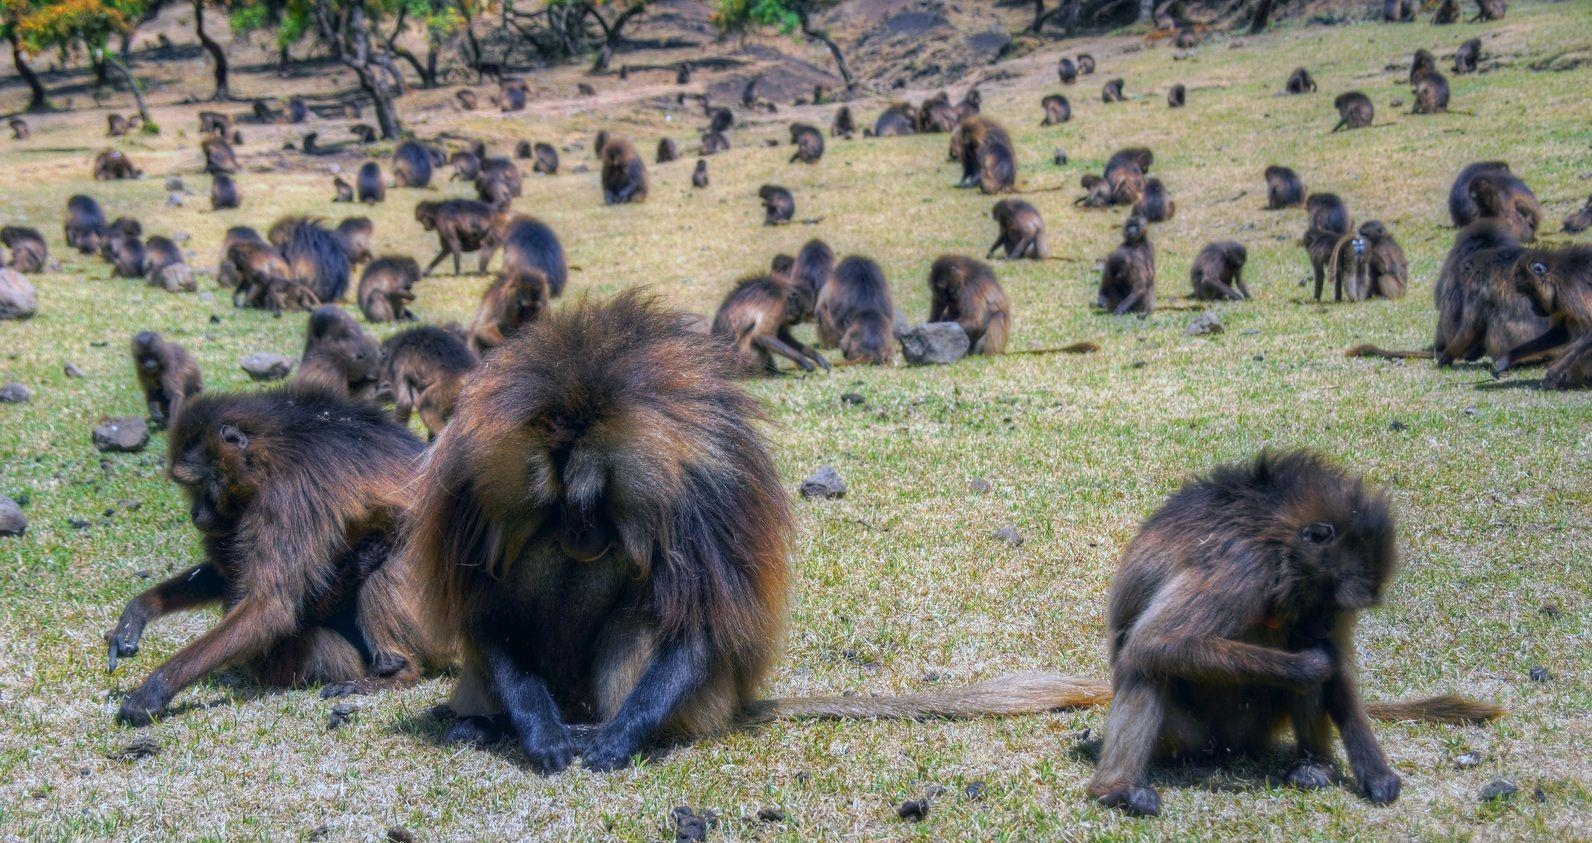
column 902, row 578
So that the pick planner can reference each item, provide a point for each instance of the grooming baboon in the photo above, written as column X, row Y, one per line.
column 1218, row 272
column 462, row 225
column 112, row 165
column 167, row 374
column 1127, row 281
column 896, row 120
column 1112, row 92
column 1423, row 62
column 1355, row 111
column 809, row 143
column 1022, row 231
column 1574, row 223
column 624, row 173
column 1490, row 10
column 224, row 193
column 987, row 156
column 668, row 150
column 938, row 115
column 844, row 125
column 1057, row 110
column 1284, row 188
column 125, row 254
column 964, row 291
column 1299, row 82
column 1431, row 93
column 720, row 120
column 1086, row 64
column 1480, row 310
column 546, row 160
column 355, row 233
column 1154, row 204
column 1505, row 197
column 467, row 100
column 1389, row 272
column 339, row 357
column 411, row 165
column 259, row 275
column 1559, row 283
column 498, row 183
column 809, row 274
column 1067, row 71
column 1400, row 11
column 1176, row 97
column 755, row 318
column 855, row 312
column 29, row 253
column 699, row 175
column 423, row 370
column 345, row 191
column 1098, row 192
column 466, row 165
column 117, row 125
column 1467, row 56
column 1329, row 223
column 19, row 129
column 1232, row 616
column 219, row 157
column 713, row 143
column 318, row 257
column 386, row 289
column 297, row 495
column 778, row 205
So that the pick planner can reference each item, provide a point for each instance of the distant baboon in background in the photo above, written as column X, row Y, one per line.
column 29, row 253
column 1355, row 111
column 164, row 266
column 1284, row 189
column 345, row 191
column 112, row 165
column 499, row 182
column 1431, row 93
column 339, row 357
column 223, row 192
column 896, row 120
column 386, row 289
column 167, row 374
column 856, row 314
column 668, row 150
column 713, row 143
column 466, row 165
column 1400, row 11
column 720, row 120
column 1086, row 64
column 423, row 370
column 778, row 204
column 19, row 129
column 756, row 317
column 1329, row 223
column 1447, row 12
column 1423, row 62
column 372, row 184
column 125, row 253
column 1299, row 82
column 809, row 143
column 512, row 94
column 682, row 74
column 699, row 176
column 1127, row 281
column 467, row 100
column 1490, row 10
column 1218, row 272
column 1112, row 92
column 363, row 133
column 412, row 165
column 126, row 227
column 1022, row 230
column 1154, row 204
column 938, row 115
column 1067, row 71
column 297, row 111
column 219, row 157
column 546, row 160
column 1057, row 110
column 844, row 125
column 964, row 291
column 624, row 174
column 117, row 125
column 1575, row 223
column 1176, row 97
column 1098, row 192
column 1467, row 56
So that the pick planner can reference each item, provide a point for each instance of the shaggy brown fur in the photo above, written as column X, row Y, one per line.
column 167, row 374
column 964, row 291
column 423, row 370
column 1022, row 231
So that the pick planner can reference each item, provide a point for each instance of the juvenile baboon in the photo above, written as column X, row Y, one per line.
column 1098, row 192
column 514, row 300
column 1284, row 188
column 386, row 289
column 546, row 161
column 937, row 114
column 1127, row 281
column 624, row 173
column 809, row 143
column 167, row 374
column 112, row 165
column 318, row 257
column 423, row 370
column 1112, row 92
column 462, row 225
column 964, row 291
column 1154, row 204
column 1447, row 12
column 699, row 175
column 668, row 150
column 1218, row 272
column 1559, row 284
column 1232, row 616
column 159, row 253
column 713, row 143
column 117, row 125
column 219, row 157
column 125, row 254
column 372, row 184
column 297, row 495
column 1022, row 231
column 531, row 245
column 844, row 125
column 1134, row 160
column 29, row 253
column 224, row 192
column 1299, row 82
column 1355, row 111
column 1431, row 93
column 1086, row 64
column 810, row 273
column 1507, row 198
column 1467, row 56
column 987, row 156
column 1490, row 10
column 19, row 129
column 855, row 312
column 1423, row 62
column 467, row 99
column 755, row 319
column 466, row 165
column 1575, row 223
column 1177, row 97
column 345, row 191
column 599, row 141
column 411, row 165
column 1067, row 71
column 355, row 233
column 364, row 133
column 1389, row 272
column 896, row 120
column 1057, row 110
column 339, row 357
column 682, row 74
column 297, row 111
column 1329, row 223
column 778, row 205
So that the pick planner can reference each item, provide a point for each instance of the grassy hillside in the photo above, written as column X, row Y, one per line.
column 901, row 585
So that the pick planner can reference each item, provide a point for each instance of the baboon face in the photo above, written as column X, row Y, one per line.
column 426, row 215
column 205, row 453
column 1133, row 229
column 146, row 352
column 1358, row 556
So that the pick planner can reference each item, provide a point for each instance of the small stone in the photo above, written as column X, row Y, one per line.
column 913, row 810
column 1470, row 411
column 130, row 504
column 975, row 790
column 852, row 399
column 1397, row 103
column 77, row 523
column 979, row 486
column 175, row 185
column 1551, row 610
column 215, row 319
column 1497, row 790
column 341, row 714
column 18, row 298
column 266, row 366
column 72, row 371
column 580, row 168
column 12, row 521
column 1009, row 536
column 399, row 834
column 144, row 574
column 824, row 483
column 174, row 200
column 99, row 343
column 770, row 814
column 1206, row 323
column 141, row 747
column 320, row 832
column 121, row 436
column 15, row 393
column 933, row 343
column 1540, row 674
column 1397, row 426
column 1138, row 364
column 689, row 825
column 1468, row 760
column 207, row 297
column 1539, row 794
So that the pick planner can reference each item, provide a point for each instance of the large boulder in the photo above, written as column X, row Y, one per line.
column 933, row 342
column 18, row 299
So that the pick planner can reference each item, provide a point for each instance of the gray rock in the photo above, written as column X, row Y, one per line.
column 1059, row 156
column 15, row 393
column 175, row 278
column 72, row 371
column 1009, row 536
column 174, row 200
column 207, row 297
column 18, row 298
column 266, row 366
column 979, row 486
column 175, row 185
column 824, row 483
column 1206, row 323
column 852, row 399
column 933, row 342
column 1496, row 790
column 1469, row 759
column 121, row 436
column 12, row 521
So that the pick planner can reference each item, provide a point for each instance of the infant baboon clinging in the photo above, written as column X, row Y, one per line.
column 386, row 289
column 1232, row 616
column 1329, row 223
column 1112, row 92
column 964, row 291
column 756, row 317
column 1284, row 188
column 1022, row 231
column 1127, row 281
column 1218, row 272
column 1057, row 110
column 423, row 370
column 624, row 175
column 855, row 312
column 167, row 374
column 1299, row 82
column 809, row 143
column 778, row 204
column 1355, row 111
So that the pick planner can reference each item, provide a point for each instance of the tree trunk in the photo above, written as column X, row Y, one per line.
column 40, row 100
column 132, row 85
column 97, row 59
column 386, row 113
column 1147, row 10
column 834, row 49
column 1262, row 17
column 217, row 55
column 1039, row 17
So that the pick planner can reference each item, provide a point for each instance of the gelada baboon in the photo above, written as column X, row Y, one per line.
column 1480, row 311
column 809, row 274
column 987, row 156
column 1355, row 111
column 297, row 111
column 339, row 357
column 117, row 125
column 215, row 123
column 1097, row 192
column 1022, row 231
column 164, row 266
column 112, row 165
column 20, row 129
column 467, row 100
column 1066, row 71
column 1504, row 197
column 1329, row 223
column 1177, row 96
column 1431, row 93
column 778, row 204
column 699, row 175
column 1447, row 12
column 1559, row 283
column 1574, row 223
column 1400, row 11
column 1057, row 110
column 423, row 370
column 412, row 165
column 534, row 271
column 386, row 288
column 1112, row 92
column 682, row 74
column 263, row 278
column 499, row 182
column 937, row 114
column 1086, row 64
column 224, row 193
column 1127, row 281
column 899, row 119
column 546, row 159
column 28, row 251
column 844, row 125
column 964, row 291
column 1284, row 188
column 1489, row 10
column 318, row 257
column 1389, row 274
column 462, row 225
column 345, row 191
column 1125, row 173
column 125, row 253
column 1422, row 62
column 855, row 312
column 713, row 143
column 297, row 495
column 1299, row 82
column 354, row 233
column 624, row 174
column 1154, row 204
column 364, row 133
column 668, row 150
column 512, row 94
column 1218, row 272
column 1232, row 616
column 756, row 317
column 167, row 374
column 720, row 120
column 1461, row 206
column 809, row 143
column 1467, row 56
column 219, row 157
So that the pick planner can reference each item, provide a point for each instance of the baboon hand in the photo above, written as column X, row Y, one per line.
column 609, row 751
column 1313, row 667
column 551, row 751
column 1381, row 788
column 122, row 642
column 140, row 707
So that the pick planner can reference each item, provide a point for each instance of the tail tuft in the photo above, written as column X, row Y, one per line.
column 1448, row 708
column 1018, row 693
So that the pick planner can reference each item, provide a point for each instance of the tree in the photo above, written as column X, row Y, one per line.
column 611, row 29
column 789, row 16
column 1262, row 16
column 218, row 56
column 442, row 19
column 12, row 13
column 90, row 24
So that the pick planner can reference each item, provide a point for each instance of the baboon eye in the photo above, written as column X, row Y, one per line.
column 1320, row 533
column 1538, row 268
column 234, row 437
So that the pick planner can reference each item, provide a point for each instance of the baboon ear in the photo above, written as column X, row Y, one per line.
column 234, row 437
column 1538, row 268
column 1319, row 533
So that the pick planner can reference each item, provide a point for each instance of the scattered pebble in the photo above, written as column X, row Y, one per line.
column 852, row 399
column 144, row 574
column 121, row 436
column 979, row 486
column 175, row 185
column 15, row 393
column 266, row 366
column 1468, row 760
column 341, row 714
column 1206, row 323
column 72, row 371
column 141, row 747
column 975, row 790
column 689, row 825
column 1540, row 674
column 130, row 504
column 399, row 834
column 77, row 523
column 913, row 810
column 933, row 343
column 320, row 832
column 12, row 521
column 1009, row 536
column 1397, row 426
column 1551, row 610
column 206, row 297
column 1497, row 790
column 824, row 483
column 174, row 200
column 770, row 814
